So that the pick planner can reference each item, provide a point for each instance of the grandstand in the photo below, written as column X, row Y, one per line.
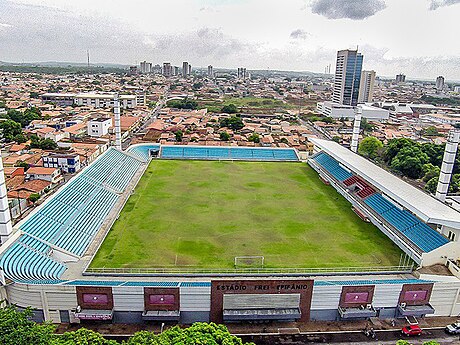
column 68, row 221
column 375, row 192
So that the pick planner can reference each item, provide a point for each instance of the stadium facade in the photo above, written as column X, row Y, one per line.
column 44, row 263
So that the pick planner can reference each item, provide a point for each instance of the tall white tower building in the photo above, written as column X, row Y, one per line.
column 5, row 218
column 448, row 162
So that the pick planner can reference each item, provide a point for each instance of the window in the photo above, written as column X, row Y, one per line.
column 451, row 236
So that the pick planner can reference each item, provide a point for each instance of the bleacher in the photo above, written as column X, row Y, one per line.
column 332, row 166
column 70, row 219
column 424, row 237
column 142, row 151
column 28, row 259
column 228, row 153
column 365, row 189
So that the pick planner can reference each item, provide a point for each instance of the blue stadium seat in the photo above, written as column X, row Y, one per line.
column 228, row 153
column 420, row 234
column 332, row 166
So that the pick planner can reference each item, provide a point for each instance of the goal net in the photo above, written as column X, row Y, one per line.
column 249, row 261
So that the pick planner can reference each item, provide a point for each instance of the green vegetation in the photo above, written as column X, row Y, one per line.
column 44, row 144
column 254, row 137
column 204, row 213
column 441, row 101
column 370, row 147
column 183, row 104
column 60, row 70
column 17, row 329
column 10, row 129
column 234, row 123
column 229, row 109
column 33, row 198
column 413, row 160
column 179, row 135
column 244, row 104
column 16, row 120
column 224, row 136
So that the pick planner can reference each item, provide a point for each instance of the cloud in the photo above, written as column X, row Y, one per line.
column 351, row 9
column 300, row 34
column 435, row 4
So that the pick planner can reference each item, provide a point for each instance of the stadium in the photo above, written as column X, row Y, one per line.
column 227, row 234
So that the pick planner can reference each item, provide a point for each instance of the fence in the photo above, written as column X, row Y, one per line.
column 103, row 271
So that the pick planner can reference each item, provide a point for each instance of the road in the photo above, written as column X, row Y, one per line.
column 353, row 337
column 152, row 117
column 343, row 338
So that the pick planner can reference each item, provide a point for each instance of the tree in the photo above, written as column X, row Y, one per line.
column 229, row 109
column 431, row 131
column 183, row 104
column 366, row 126
column 22, row 164
column 48, row 144
column 370, row 147
column 26, row 117
column 197, row 86
column 179, row 135
column 336, row 138
column 198, row 333
column 430, row 171
column 254, row 137
column 17, row 328
column 224, row 136
column 234, row 122
column 33, row 198
column 20, row 138
column 10, row 129
column 83, row 336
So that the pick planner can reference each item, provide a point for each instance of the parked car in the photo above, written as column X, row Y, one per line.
column 453, row 328
column 411, row 330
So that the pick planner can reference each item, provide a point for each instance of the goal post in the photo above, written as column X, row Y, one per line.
column 256, row 261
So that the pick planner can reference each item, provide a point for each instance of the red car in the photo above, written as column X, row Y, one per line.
column 411, row 330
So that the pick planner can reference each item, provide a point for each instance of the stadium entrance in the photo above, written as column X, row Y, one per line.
column 260, row 300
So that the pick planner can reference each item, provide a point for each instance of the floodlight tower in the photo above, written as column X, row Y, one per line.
column 356, row 128
column 116, row 110
column 5, row 218
column 448, row 162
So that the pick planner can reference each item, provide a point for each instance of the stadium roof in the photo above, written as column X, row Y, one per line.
column 420, row 203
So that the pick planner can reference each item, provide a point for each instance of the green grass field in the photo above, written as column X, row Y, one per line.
column 204, row 213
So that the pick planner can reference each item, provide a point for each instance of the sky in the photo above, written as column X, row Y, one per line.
column 416, row 37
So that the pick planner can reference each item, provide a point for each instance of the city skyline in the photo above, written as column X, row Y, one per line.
column 295, row 36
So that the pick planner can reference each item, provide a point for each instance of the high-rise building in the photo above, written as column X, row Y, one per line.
column 400, row 78
column 189, row 69
column 185, row 69
column 440, row 83
column 347, row 77
column 157, row 69
column 241, row 73
column 145, row 67
column 366, row 86
column 176, row 70
column 167, row 69
column 210, row 71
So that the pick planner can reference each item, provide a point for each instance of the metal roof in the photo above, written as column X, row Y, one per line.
column 426, row 207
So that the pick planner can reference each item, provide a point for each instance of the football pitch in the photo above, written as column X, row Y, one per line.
column 203, row 214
